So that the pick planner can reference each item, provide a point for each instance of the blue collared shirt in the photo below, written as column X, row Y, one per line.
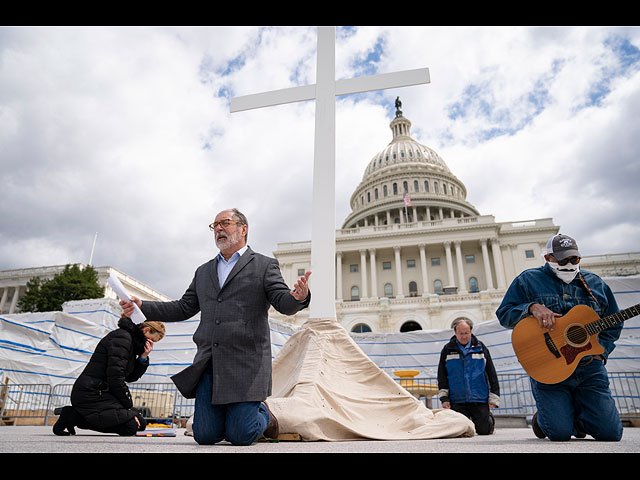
column 225, row 267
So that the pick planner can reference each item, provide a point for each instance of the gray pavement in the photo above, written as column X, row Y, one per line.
column 30, row 439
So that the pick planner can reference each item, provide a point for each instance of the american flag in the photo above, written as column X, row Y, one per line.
column 407, row 200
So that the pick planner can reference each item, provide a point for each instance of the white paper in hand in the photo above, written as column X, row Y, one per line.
column 137, row 317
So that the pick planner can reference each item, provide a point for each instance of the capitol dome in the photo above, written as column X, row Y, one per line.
column 407, row 182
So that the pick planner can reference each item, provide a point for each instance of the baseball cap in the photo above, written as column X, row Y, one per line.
column 562, row 246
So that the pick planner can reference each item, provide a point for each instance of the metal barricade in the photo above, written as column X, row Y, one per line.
column 516, row 398
column 34, row 404
column 26, row 404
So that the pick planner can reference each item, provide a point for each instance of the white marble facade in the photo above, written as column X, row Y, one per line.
column 13, row 284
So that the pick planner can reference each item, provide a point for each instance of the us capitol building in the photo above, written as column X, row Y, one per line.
column 414, row 254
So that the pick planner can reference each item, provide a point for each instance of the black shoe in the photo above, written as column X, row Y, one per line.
column 536, row 428
column 578, row 430
column 64, row 425
column 273, row 430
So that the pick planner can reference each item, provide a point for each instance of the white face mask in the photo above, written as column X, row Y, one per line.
column 567, row 272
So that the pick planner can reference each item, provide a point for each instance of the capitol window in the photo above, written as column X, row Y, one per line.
column 355, row 293
column 388, row 290
column 361, row 328
column 437, row 287
column 411, row 263
column 435, row 261
column 386, row 265
column 353, row 267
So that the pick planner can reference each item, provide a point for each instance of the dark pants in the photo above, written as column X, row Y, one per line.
column 239, row 423
column 479, row 414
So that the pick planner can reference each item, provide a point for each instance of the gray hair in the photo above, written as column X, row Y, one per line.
column 241, row 218
column 458, row 321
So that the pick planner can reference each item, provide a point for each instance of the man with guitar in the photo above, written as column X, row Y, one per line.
column 563, row 343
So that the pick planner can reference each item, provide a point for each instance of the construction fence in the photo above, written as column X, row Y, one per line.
column 34, row 404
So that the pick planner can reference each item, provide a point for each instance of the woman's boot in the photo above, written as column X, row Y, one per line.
column 64, row 425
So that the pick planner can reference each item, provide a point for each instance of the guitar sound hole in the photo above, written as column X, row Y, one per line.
column 576, row 335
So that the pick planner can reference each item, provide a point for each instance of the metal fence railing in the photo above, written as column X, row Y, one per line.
column 516, row 397
column 34, row 404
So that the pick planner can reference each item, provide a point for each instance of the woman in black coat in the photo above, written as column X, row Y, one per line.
column 100, row 398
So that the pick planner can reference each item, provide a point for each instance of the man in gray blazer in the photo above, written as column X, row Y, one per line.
column 230, row 376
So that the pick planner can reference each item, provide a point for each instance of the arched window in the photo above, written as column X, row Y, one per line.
column 368, row 197
column 437, row 287
column 395, row 188
column 384, row 190
column 361, row 328
column 413, row 289
column 388, row 290
column 415, row 185
column 426, row 186
column 435, row 187
column 410, row 326
column 473, row 285
column 405, row 185
column 355, row 293
column 376, row 193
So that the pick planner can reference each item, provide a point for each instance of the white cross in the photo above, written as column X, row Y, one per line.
column 323, row 227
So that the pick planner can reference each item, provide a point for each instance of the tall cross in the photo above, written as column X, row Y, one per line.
column 323, row 228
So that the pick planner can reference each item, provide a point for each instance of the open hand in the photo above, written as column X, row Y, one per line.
column 301, row 289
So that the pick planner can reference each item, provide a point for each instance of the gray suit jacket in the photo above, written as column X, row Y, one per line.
column 233, row 333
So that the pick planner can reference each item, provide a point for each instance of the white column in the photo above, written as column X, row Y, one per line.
column 339, row 276
column 428, row 214
column 14, row 300
column 487, row 264
column 3, row 300
column 462, row 281
column 423, row 264
column 497, row 260
column 388, row 217
column 374, row 279
column 400, row 290
column 447, row 249
column 363, row 274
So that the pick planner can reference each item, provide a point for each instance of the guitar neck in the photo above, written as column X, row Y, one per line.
column 611, row 320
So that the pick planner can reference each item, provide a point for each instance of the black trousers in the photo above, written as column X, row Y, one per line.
column 479, row 414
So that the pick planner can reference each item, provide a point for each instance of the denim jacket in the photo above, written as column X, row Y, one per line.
column 541, row 285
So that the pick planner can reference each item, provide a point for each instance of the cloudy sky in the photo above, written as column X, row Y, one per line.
column 127, row 132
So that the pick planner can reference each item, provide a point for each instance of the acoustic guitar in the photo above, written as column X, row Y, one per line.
column 550, row 356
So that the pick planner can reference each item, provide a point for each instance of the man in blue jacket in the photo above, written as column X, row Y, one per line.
column 467, row 379
column 582, row 404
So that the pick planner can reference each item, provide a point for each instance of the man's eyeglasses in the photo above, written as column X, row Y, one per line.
column 223, row 224
column 573, row 260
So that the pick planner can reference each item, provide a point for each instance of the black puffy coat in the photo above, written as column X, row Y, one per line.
column 100, row 394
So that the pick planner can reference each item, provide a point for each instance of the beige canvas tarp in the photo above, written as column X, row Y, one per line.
column 326, row 388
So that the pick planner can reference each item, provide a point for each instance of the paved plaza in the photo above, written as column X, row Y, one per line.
column 39, row 439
